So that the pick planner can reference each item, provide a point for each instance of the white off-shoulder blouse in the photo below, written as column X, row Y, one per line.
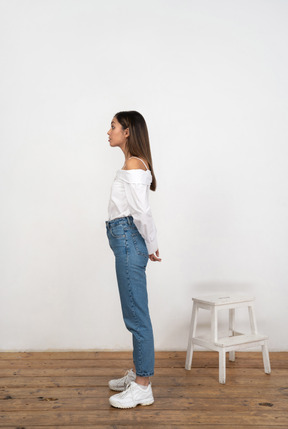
column 130, row 197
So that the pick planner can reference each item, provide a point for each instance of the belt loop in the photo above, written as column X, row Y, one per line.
column 129, row 220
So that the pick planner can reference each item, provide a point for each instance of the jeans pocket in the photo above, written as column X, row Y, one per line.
column 139, row 243
column 117, row 231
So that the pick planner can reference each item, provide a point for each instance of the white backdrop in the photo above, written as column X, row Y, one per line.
column 210, row 77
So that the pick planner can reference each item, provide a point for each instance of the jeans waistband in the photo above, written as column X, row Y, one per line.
column 120, row 221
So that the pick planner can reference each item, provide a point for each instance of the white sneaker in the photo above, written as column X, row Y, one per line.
column 120, row 384
column 133, row 395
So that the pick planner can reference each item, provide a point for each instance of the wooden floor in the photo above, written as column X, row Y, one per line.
column 69, row 390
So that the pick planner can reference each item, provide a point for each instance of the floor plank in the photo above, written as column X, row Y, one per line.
column 125, row 355
column 69, row 390
column 111, row 372
column 49, row 403
column 143, row 415
column 151, row 426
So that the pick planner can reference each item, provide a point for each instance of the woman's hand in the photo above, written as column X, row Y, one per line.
column 155, row 256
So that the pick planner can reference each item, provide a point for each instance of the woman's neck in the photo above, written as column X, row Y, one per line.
column 126, row 155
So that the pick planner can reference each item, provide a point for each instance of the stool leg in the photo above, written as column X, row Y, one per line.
column 232, row 329
column 214, row 325
column 192, row 332
column 222, row 366
column 252, row 319
column 266, row 360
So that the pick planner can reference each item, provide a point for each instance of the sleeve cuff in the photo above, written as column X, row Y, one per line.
column 152, row 246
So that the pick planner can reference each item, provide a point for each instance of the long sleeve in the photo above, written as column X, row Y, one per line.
column 130, row 196
column 137, row 198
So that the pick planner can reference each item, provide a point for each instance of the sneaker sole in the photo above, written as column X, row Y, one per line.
column 144, row 404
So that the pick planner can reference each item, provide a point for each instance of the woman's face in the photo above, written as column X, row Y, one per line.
column 117, row 136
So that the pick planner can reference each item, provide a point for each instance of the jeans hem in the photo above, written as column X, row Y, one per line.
column 145, row 375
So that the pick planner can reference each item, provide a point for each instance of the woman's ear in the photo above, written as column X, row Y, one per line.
column 126, row 132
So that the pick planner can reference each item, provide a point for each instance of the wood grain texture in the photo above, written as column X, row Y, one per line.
column 69, row 390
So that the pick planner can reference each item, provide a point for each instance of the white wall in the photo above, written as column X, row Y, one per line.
column 210, row 77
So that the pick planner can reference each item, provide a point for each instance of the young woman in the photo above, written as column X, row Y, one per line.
column 132, row 237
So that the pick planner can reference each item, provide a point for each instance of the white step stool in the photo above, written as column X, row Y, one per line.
column 231, row 343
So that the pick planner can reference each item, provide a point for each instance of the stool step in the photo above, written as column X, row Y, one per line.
column 240, row 339
column 225, row 342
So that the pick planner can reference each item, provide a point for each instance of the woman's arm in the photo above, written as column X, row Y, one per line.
column 137, row 198
column 136, row 194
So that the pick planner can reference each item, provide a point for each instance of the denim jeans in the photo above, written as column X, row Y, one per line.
column 131, row 258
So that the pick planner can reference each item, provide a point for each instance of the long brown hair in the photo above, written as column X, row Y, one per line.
column 138, row 140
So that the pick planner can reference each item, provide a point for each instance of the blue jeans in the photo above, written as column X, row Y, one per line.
column 131, row 258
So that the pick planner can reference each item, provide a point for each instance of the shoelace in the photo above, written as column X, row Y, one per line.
column 127, row 372
column 125, row 391
column 126, row 375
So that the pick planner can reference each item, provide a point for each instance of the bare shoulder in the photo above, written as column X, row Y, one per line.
column 135, row 164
